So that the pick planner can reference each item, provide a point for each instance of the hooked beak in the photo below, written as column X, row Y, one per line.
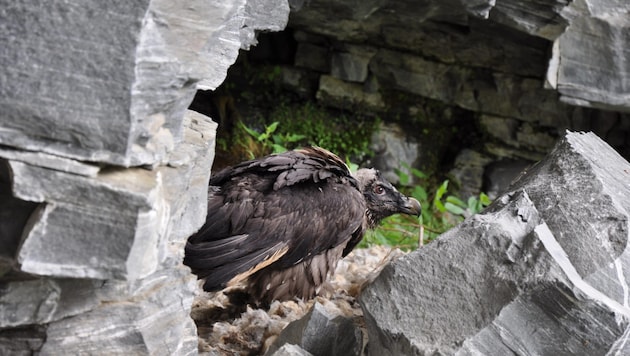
column 411, row 207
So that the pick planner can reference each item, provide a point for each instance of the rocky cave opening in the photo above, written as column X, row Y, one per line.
column 103, row 171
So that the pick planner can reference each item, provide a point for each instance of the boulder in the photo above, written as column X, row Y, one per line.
column 468, row 172
column 394, row 150
column 541, row 271
column 321, row 332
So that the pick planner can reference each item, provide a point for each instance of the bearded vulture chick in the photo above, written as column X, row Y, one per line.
column 278, row 225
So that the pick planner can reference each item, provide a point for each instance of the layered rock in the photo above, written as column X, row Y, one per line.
column 116, row 93
column 103, row 171
column 102, row 252
column 589, row 66
column 523, row 71
column 541, row 271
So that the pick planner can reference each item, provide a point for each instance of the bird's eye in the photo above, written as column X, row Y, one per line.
column 378, row 189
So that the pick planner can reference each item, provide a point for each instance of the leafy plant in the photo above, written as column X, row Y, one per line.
column 270, row 142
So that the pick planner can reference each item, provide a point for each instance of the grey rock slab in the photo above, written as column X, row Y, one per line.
column 486, row 44
column 517, row 133
column 44, row 97
column 239, row 22
column 269, row 15
column 321, row 332
column 57, row 163
column 92, row 241
column 351, row 62
column 149, row 316
column 541, row 271
column 135, row 186
column 102, row 227
column 22, row 341
column 499, row 94
column 107, row 308
column 119, row 224
column 344, row 95
column 510, row 152
column 40, row 301
column 589, row 65
column 185, row 179
column 542, row 19
column 115, row 94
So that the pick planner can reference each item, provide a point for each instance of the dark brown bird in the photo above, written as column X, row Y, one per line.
column 279, row 224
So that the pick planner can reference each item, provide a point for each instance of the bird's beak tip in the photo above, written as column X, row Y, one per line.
column 412, row 207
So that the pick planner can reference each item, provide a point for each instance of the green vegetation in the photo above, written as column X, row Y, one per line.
column 271, row 141
column 440, row 212
column 291, row 125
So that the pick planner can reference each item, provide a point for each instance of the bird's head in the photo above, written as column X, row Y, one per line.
column 382, row 198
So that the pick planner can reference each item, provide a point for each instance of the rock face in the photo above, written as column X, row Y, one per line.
column 116, row 94
column 102, row 252
column 542, row 271
column 587, row 36
column 504, row 78
column 103, row 171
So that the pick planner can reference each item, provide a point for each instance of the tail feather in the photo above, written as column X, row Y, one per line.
column 221, row 261
column 209, row 255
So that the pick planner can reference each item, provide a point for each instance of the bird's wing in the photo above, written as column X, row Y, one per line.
column 254, row 221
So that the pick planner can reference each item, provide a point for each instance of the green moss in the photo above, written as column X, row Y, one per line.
column 339, row 132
